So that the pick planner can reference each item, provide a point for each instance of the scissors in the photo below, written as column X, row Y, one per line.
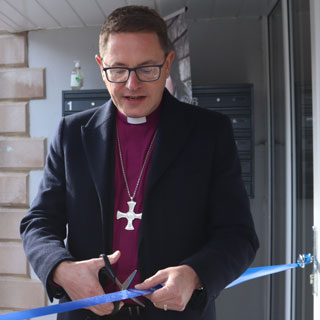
column 108, row 271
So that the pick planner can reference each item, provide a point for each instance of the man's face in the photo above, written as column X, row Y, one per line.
column 135, row 98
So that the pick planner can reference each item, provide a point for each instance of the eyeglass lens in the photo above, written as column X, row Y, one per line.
column 143, row 74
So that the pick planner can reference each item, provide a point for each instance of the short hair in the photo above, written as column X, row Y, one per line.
column 134, row 19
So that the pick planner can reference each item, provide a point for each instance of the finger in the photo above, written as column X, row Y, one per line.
column 159, row 278
column 97, row 290
column 105, row 309
column 114, row 257
column 102, row 309
column 163, row 306
column 159, row 295
column 169, row 294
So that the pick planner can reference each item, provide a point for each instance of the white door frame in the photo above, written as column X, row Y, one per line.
column 315, row 62
column 289, row 173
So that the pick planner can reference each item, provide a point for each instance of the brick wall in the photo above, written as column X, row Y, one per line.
column 19, row 153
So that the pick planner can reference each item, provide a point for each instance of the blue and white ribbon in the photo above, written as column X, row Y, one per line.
column 250, row 274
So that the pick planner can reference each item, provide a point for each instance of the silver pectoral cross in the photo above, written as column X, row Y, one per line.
column 130, row 215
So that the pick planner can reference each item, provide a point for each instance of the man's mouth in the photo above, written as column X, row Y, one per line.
column 134, row 98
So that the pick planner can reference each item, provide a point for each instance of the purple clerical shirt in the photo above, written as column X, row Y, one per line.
column 135, row 141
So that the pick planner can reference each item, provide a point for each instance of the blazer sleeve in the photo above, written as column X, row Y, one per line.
column 43, row 229
column 232, row 242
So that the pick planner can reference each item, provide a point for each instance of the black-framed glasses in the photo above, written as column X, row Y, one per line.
column 143, row 73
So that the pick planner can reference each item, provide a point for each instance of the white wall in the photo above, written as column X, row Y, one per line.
column 225, row 50
column 55, row 51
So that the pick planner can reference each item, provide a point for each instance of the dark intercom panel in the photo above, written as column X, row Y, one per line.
column 79, row 100
column 236, row 101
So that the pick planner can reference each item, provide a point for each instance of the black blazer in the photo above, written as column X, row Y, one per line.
column 196, row 210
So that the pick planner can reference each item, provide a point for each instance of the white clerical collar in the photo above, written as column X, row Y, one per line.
column 136, row 120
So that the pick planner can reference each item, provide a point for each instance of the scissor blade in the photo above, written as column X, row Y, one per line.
column 126, row 284
column 137, row 301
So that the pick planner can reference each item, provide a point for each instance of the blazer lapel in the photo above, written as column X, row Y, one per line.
column 98, row 142
column 173, row 132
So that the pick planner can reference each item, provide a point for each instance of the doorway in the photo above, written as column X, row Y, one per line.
column 291, row 152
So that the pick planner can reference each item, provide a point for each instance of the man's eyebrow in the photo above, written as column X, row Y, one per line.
column 121, row 64
column 148, row 62
column 116, row 64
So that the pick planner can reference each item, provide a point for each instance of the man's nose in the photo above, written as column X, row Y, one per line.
column 133, row 82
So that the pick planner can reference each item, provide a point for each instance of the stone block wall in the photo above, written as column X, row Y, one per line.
column 19, row 153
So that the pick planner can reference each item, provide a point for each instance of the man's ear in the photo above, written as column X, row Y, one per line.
column 99, row 61
column 169, row 61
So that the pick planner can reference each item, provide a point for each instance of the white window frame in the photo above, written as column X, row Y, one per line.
column 315, row 62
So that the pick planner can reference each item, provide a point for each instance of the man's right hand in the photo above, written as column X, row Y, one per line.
column 80, row 280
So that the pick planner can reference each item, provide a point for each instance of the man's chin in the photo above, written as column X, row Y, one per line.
column 134, row 113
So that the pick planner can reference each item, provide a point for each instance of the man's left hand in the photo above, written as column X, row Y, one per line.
column 178, row 285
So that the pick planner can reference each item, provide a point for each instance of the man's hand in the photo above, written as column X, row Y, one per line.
column 178, row 286
column 80, row 280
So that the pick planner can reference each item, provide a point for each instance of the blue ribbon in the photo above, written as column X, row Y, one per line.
column 74, row 305
column 253, row 273
column 250, row 274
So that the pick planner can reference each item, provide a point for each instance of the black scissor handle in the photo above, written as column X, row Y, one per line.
column 107, row 271
column 108, row 267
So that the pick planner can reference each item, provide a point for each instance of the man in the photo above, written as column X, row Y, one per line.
column 153, row 182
